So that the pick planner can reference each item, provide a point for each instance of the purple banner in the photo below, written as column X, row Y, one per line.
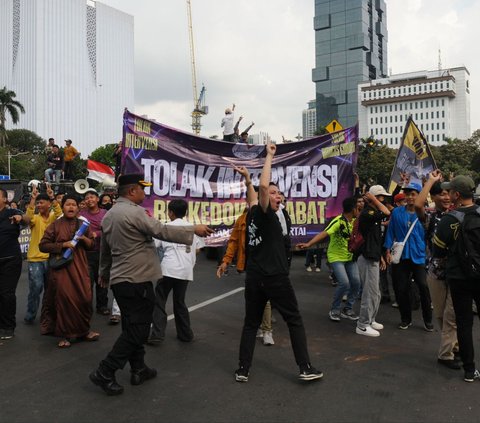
column 315, row 175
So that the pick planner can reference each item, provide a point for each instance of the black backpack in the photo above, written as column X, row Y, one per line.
column 467, row 245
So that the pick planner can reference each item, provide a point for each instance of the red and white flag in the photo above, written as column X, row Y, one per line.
column 99, row 171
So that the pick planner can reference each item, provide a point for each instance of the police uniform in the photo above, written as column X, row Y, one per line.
column 129, row 261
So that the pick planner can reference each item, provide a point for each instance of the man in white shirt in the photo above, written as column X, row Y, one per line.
column 227, row 124
column 177, row 269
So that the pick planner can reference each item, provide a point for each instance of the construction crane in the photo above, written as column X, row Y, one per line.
column 199, row 107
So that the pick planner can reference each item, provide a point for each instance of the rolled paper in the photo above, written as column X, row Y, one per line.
column 81, row 230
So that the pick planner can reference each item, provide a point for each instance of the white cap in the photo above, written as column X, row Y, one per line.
column 92, row 191
column 378, row 190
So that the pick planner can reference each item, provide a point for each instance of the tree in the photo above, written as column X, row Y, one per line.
column 13, row 107
column 321, row 130
column 22, row 140
column 455, row 157
column 104, row 154
column 30, row 164
column 79, row 169
column 458, row 157
column 375, row 162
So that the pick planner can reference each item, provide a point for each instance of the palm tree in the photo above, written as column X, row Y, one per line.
column 8, row 103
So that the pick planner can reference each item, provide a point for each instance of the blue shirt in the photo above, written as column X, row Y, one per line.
column 400, row 222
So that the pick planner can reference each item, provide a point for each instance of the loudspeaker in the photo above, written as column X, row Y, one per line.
column 81, row 186
column 14, row 188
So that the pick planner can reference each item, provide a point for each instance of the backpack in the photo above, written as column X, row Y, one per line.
column 356, row 240
column 467, row 245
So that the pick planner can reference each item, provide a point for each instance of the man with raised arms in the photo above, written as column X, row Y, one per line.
column 267, row 279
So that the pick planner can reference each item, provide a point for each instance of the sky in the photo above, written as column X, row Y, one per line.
column 259, row 54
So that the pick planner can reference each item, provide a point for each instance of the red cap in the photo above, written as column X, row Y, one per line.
column 399, row 197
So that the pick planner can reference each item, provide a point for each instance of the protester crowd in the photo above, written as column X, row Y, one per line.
column 59, row 161
column 424, row 238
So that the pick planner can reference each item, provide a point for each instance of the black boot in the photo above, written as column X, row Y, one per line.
column 107, row 383
column 141, row 375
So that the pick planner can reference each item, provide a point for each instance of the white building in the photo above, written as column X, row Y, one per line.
column 439, row 102
column 71, row 64
column 260, row 138
column 309, row 120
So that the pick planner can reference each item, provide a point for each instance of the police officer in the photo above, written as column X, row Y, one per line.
column 129, row 263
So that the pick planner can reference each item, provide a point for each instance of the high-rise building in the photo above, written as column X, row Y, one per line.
column 438, row 101
column 309, row 120
column 71, row 64
column 350, row 47
column 260, row 138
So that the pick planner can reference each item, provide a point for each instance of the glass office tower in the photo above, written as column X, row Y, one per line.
column 350, row 47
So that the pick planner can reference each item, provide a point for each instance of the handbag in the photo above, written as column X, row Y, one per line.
column 57, row 261
column 398, row 246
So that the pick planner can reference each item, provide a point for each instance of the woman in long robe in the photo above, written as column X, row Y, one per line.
column 67, row 305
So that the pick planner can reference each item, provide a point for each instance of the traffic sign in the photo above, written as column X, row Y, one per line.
column 333, row 126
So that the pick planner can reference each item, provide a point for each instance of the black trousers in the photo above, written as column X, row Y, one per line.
column 277, row 289
column 402, row 274
column 67, row 170
column 10, row 270
column 101, row 294
column 136, row 305
column 384, row 289
column 180, row 310
column 463, row 294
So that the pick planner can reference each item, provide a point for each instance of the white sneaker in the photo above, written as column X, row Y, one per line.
column 368, row 331
column 309, row 268
column 377, row 326
column 259, row 333
column 317, row 269
column 268, row 338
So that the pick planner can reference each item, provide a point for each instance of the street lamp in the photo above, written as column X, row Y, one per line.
column 10, row 155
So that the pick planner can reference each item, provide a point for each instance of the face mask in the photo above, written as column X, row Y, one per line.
column 107, row 206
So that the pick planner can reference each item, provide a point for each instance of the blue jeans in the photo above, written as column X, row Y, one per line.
column 348, row 278
column 37, row 280
column 49, row 172
column 310, row 259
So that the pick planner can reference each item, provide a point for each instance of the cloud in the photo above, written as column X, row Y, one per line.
column 259, row 54
column 415, row 38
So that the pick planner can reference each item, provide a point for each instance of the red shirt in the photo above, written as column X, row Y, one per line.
column 95, row 220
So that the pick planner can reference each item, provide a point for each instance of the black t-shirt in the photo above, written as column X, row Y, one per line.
column 265, row 243
column 370, row 226
column 9, row 234
column 55, row 161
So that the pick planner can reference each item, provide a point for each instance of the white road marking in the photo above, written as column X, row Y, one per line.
column 210, row 301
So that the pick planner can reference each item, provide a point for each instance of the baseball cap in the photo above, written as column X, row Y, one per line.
column 461, row 183
column 378, row 190
column 413, row 186
column 399, row 197
column 91, row 191
column 130, row 179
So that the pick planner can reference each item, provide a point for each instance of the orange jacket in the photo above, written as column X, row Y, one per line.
column 236, row 243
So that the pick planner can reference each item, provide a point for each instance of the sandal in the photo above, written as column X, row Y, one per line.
column 64, row 343
column 92, row 336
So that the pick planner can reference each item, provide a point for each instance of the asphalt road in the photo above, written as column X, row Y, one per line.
column 393, row 378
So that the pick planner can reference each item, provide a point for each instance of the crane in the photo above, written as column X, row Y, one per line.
column 199, row 107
